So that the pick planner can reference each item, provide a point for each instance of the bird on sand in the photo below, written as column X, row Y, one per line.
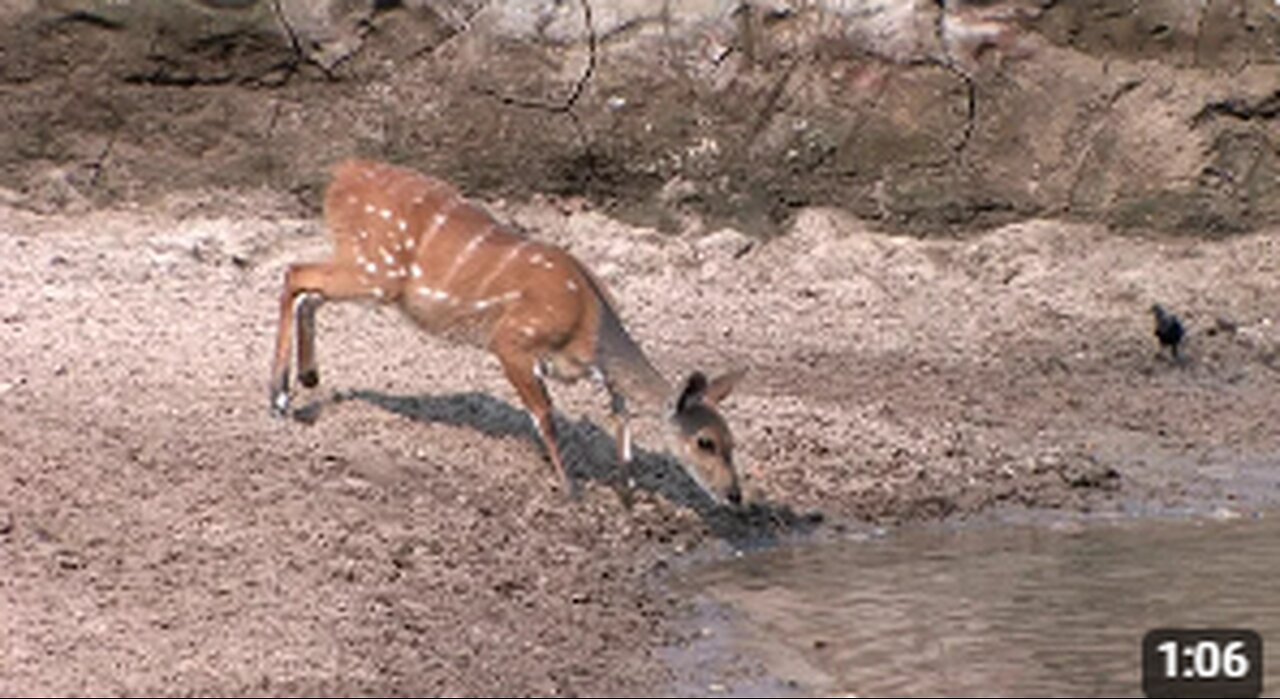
column 1169, row 329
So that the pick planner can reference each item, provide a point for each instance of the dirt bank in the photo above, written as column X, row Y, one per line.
column 928, row 117
column 161, row 533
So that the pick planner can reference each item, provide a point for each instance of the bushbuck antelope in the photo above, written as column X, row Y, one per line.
column 403, row 238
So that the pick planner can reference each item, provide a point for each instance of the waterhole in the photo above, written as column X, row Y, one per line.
column 991, row 610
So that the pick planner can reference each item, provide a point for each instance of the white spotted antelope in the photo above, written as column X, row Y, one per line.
column 407, row 239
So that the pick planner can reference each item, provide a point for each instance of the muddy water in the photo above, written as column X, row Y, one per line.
column 994, row 610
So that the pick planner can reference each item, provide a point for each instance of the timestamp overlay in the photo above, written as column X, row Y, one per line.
column 1190, row 662
column 1013, row 610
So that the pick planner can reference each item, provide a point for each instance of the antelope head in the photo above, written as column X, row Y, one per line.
column 702, row 441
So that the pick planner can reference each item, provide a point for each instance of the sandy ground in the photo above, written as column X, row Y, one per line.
column 161, row 533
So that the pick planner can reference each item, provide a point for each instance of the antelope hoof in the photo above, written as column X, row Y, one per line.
column 309, row 378
column 626, row 495
column 280, row 403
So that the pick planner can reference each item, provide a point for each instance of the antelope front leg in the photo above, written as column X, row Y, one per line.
column 518, row 364
column 622, row 440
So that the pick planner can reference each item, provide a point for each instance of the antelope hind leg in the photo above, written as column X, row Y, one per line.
column 305, row 287
column 305, row 309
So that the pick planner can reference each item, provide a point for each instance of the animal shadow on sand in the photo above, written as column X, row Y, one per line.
column 590, row 454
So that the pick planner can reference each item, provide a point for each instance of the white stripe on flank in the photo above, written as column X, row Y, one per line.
column 416, row 271
column 438, row 221
column 483, row 304
column 501, row 266
column 466, row 253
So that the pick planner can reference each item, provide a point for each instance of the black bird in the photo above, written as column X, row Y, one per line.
column 1169, row 329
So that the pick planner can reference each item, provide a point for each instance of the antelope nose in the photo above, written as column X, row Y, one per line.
column 734, row 496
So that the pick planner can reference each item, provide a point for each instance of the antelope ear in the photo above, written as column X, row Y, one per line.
column 694, row 388
column 722, row 385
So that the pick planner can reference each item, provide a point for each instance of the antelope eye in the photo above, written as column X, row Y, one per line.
column 707, row 444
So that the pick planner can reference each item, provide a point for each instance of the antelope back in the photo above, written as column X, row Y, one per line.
column 454, row 269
